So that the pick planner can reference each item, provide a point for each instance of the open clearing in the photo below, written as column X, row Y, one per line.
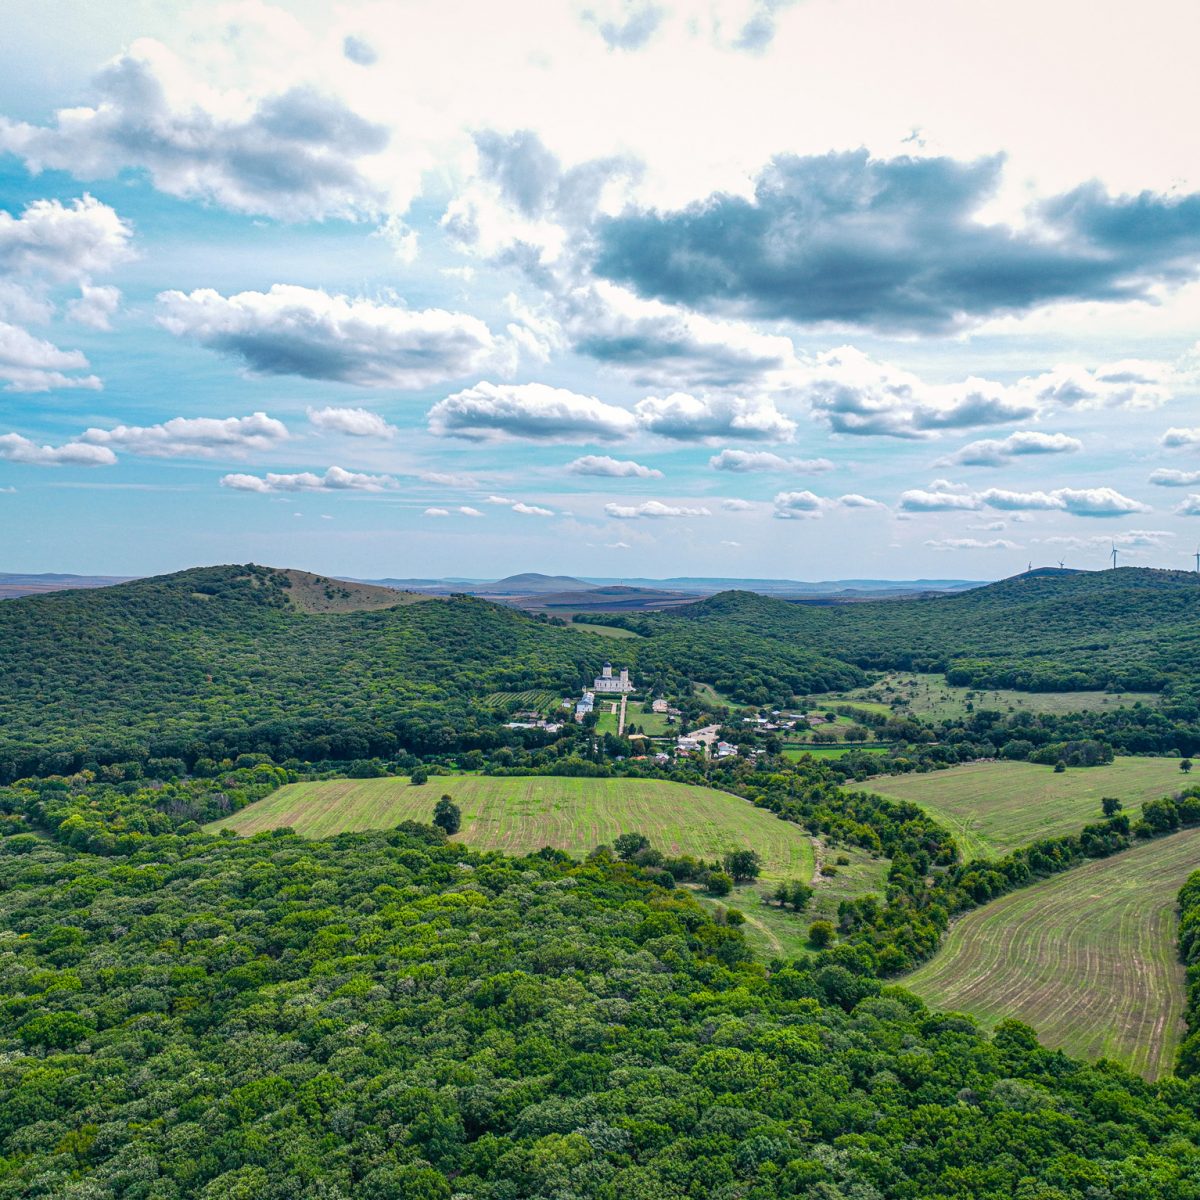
column 611, row 631
column 1088, row 958
column 520, row 815
column 994, row 807
column 932, row 698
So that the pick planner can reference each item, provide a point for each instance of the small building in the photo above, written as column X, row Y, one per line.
column 584, row 705
column 606, row 681
column 658, row 706
column 725, row 750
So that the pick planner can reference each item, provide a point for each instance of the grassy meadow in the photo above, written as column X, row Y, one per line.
column 1088, row 958
column 994, row 807
column 520, row 815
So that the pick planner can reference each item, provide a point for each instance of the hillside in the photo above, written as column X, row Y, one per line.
column 221, row 660
column 1132, row 628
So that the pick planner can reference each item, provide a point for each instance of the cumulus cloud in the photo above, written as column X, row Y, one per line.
column 653, row 509
column 31, row 364
column 1133, row 384
column 1131, row 538
column 536, row 411
column 854, row 500
column 295, row 155
column 942, row 496
column 1167, row 477
column 993, row 452
column 359, row 51
column 1190, row 507
column 96, row 306
column 334, row 480
column 605, row 465
column 1176, row 437
column 63, row 242
column 293, row 330
column 493, row 412
column 462, row 510
column 732, row 504
column 854, row 394
column 353, row 422
column 897, row 244
column 17, row 449
column 971, row 544
column 194, row 437
column 793, row 505
column 684, row 417
column 531, row 510
column 763, row 460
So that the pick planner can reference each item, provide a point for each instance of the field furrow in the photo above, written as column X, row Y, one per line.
column 1088, row 958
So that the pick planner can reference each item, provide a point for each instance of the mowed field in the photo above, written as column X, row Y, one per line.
column 1088, row 958
column 994, row 807
column 520, row 815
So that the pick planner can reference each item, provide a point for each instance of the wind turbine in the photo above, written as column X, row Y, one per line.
column 1114, row 555
column 1062, row 563
column 1197, row 557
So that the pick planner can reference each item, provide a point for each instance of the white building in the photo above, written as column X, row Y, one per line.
column 658, row 706
column 607, row 682
column 585, row 705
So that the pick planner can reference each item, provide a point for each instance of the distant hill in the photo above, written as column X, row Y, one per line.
column 531, row 581
column 13, row 587
column 1043, row 630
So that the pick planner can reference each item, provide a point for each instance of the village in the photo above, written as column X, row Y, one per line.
column 655, row 728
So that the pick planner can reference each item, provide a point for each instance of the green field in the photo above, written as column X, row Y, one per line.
column 651, row 723
column 1088, row 958
column 611, row 631
column 833, row 750
column 932, row 698
column 520, row 815
column 994, row 807
column 531, row 701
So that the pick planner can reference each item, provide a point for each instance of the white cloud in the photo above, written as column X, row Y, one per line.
column 1131, row 538
column 854, row 500
column 1176, row 437
column 17, row 449
column 531, row 510
column 463, row 510
column 468, row 511
column 653, row 509
column 685, row 417
column 1167, row 477
column 993, row 452
column 96, row 306
column 1190, row 507
column 854, row 394
column 942, row 496
column 764, row 460
column 1133, row 384
column 63, row 242
column 303, row 331
column 735, row 505
column 504, row 500
column 194, row 437
column 605, row 465
column 437, row 512
column 494, row 412
column 793, row 505
column 971, row 544
column 295, row 154
column 353, row 422
column 30, row 364
column 334, row 480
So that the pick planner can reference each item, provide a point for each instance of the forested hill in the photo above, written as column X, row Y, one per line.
column 1130, row 628
column 222, row 660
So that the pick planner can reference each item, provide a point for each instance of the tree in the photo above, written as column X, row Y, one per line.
column 717, row 883
column 820, row 933
column 628, row 844
column 1185, row 765
column 1111, row 806
column 447, row 816
column 419, row 776
column 743, row 865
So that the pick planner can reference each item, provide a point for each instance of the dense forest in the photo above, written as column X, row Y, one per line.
column 1133, row 628
column 386, row 1015
column 215, row 662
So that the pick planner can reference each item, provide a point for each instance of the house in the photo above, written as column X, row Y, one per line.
column 658, row 706
column 725, row 750
column 584, row 705
column 606, row 681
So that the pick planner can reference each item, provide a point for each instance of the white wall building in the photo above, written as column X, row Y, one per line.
column 606, row 681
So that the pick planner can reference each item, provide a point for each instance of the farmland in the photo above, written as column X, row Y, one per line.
column 931, row 698
column 994, row 807
column 610, row 631
column 795, row 750
column 1088, row 958
column 519, row 815
column 529, row 701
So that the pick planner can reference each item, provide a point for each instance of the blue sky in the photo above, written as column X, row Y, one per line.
column 741, row 287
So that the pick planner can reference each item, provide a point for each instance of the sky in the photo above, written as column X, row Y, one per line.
column 804, row 289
